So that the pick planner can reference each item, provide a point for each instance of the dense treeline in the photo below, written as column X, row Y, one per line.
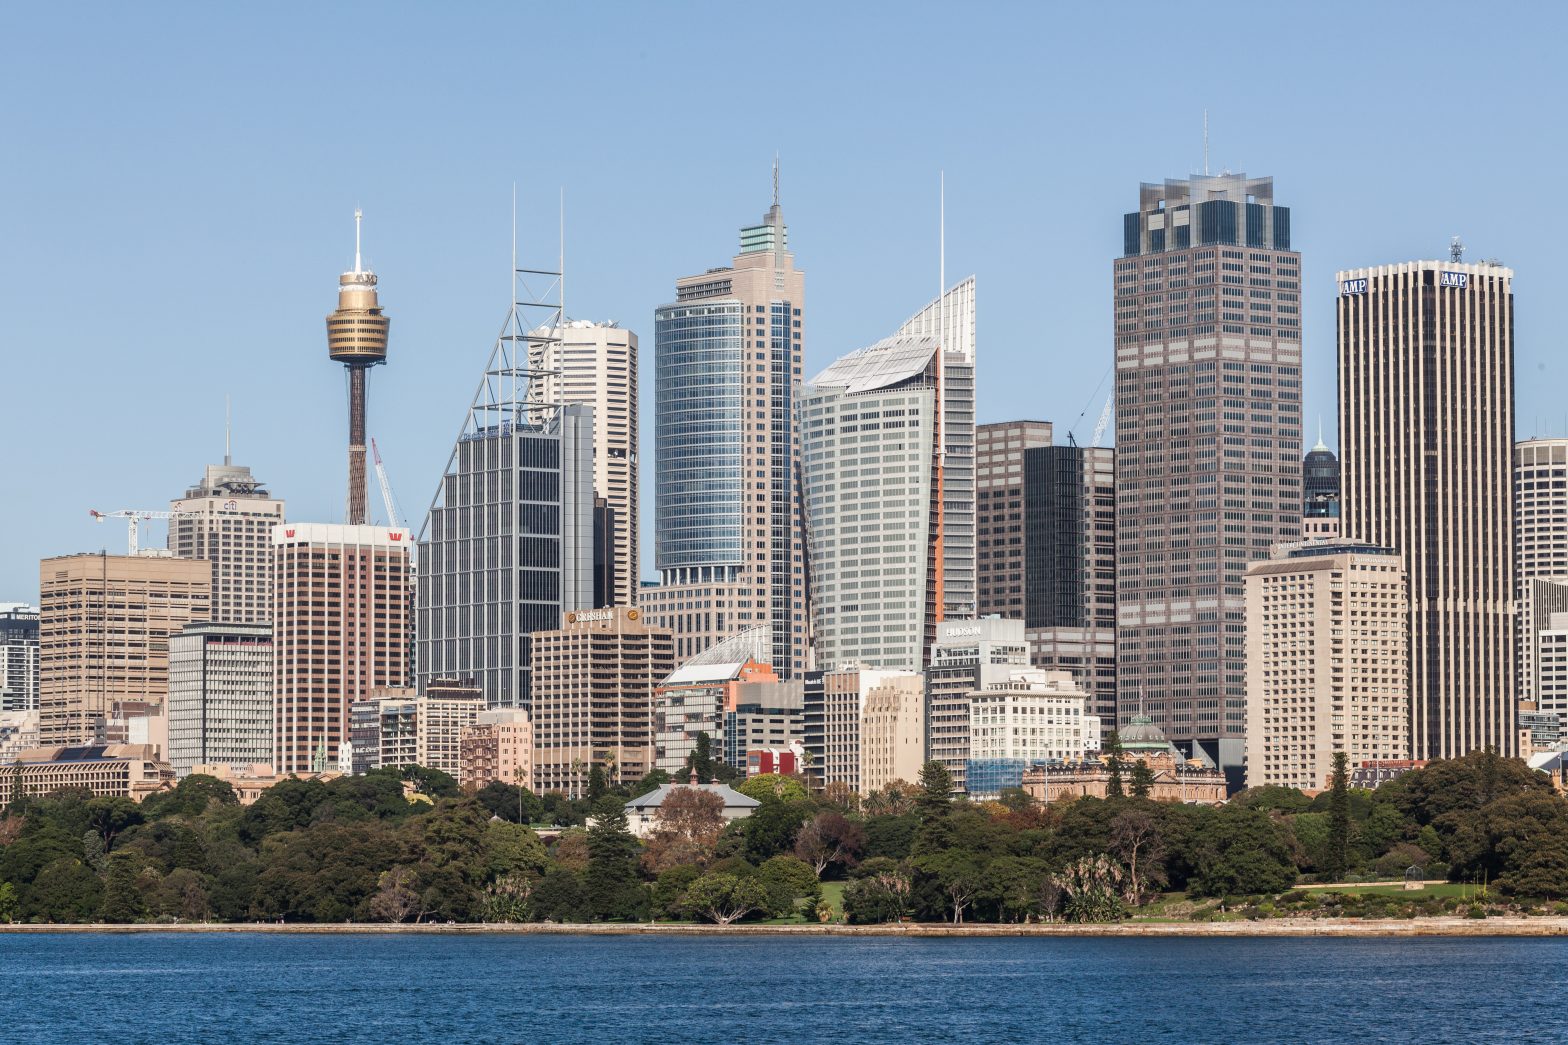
column 408, row 846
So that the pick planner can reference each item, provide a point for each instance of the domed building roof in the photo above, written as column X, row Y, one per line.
column 1142, row 735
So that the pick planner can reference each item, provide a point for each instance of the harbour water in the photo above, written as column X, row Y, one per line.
column 249, row 989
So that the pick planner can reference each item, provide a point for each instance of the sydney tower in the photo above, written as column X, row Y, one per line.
column 357, row 338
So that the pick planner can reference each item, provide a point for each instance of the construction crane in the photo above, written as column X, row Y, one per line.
column 394, row 516
column 1105, row 419
column 135, row 518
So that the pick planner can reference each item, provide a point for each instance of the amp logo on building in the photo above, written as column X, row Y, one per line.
column 1353, row 286
column 1454, row 279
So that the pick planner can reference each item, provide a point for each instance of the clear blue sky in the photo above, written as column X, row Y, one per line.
column 178, row 182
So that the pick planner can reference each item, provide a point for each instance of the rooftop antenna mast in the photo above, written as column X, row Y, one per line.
column 513, row 392
column 228, row 441
column 1456, row 250
column 1205, row 143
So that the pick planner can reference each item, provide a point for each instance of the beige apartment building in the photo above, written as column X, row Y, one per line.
column 892, row 732
column 1426, row 423
column 498, row 746
column 728, row 544
column 595, row 364
column 593, row 686
column 103, row 636
column 424, row 730
column 227, row 519
column 1327, row 662
column 340, row 630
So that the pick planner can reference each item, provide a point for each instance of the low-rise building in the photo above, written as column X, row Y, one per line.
column 642, row 812
column 249, row 782
column 131, row 771
column 413, row 729
column 18, row 732
column 497, row 747
column 1171, row 777
column 1035, row 717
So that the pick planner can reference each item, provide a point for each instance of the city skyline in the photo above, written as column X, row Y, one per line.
column 247, row 195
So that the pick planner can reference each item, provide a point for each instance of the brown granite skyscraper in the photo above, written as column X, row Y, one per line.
column 1208, row 446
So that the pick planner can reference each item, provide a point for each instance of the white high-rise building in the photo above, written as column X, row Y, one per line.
column 968, row 655
column 887, row 461
column 1540, row 549
column 219, row 709
column 595, row 364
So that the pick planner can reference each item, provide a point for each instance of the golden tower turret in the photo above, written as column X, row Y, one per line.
column 357, row 338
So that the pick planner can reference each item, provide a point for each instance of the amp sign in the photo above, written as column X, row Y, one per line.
column 1353, row 286
column 1454, row 279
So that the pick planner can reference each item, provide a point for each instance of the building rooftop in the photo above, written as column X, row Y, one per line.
column 654, row 799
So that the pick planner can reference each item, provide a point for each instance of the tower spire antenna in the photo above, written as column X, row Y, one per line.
column 775, row 178
column 228, row 431
column 1205, row 143
column 359, row 216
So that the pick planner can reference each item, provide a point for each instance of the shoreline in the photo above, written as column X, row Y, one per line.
column 1275, row 927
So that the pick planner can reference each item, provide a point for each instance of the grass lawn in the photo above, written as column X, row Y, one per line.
column 833, row 894
column 1445, row 889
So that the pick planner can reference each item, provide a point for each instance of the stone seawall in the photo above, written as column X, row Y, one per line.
column 1341, row 927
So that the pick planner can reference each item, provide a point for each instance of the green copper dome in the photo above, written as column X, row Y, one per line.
column 1141, row 734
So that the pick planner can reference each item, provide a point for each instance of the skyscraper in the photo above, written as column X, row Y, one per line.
column 1541, row 543
column 967, row 656
column 340, row 630
column 596, row 364
column 1046, row 519
column 1426, row 422
column 18, row 657
column 104, row 627
column 357, row 338
column 727, row 453
column 507, row 551
column 888, row 472
column 1208, row 445
column 227, row 519
column 220, row 696
column 1327, row 664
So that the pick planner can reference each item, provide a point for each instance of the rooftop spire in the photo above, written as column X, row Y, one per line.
column 228, row 457
column 1321, row 445
column 358, row 217
column 775, row 179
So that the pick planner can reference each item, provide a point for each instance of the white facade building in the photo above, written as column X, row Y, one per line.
column 219, row 710
column 1035, row 716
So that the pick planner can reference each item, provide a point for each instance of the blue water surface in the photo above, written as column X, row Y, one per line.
column 240, row 989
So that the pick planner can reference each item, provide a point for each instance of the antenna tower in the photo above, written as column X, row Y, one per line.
column 507, row 398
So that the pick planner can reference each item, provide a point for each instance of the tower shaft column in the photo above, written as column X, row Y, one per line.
column 358, row 384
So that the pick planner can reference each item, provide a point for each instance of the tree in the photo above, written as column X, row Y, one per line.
column 895, row 799
column 879, row 892
column 724, row 898
column 510, row 802
column 788, row 880
column 773, row 785
column 655, row 779
column 513, row 849
column 610, row 883
column 830, row 838
column 685, row 830
column 1142, row 779
column 9, row 902
column 1092, row 886
column 597, row 783
column 700, row 760
column 1240, row 851
column 959, row 875
column 1338, row 854
column 508, row 899
column 191, row 797
column 936, row 789
column 1113, row 784
column 431, row 782
column 396, row 898
column 1136, row 842
column 65, row 890
column 122, row 900
column 110, row 816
